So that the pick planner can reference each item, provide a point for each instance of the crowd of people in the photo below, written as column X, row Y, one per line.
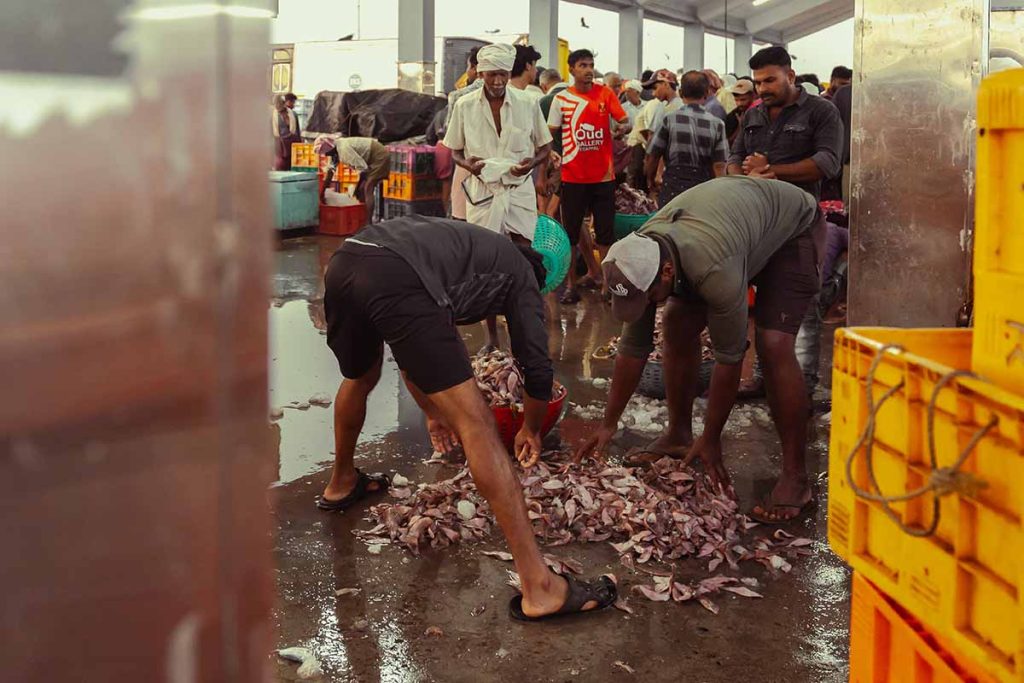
column 739, row 166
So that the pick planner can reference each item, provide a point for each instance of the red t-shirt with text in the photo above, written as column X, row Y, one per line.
column 586, row 132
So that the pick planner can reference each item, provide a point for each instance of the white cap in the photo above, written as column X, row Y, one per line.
column 633, row 84
column 629, row 270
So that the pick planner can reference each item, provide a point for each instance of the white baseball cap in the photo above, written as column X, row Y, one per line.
column 630, row 269
column 633, row 84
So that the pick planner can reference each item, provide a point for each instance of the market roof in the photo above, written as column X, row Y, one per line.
column 772, row 21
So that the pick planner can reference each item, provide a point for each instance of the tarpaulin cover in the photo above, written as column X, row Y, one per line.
column 387, row 115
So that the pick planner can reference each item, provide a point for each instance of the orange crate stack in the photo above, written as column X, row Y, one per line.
column 303, row 157
column 888, row 645
column 408, row 187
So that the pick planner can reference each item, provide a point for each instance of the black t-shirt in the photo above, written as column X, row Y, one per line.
column 476, row 273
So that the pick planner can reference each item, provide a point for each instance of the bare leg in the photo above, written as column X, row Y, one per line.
column 587, row 247
column 349, row 415
column 370, row 190
column 681, row 328
column 493, row 343
column 464, row 408
column 787, row 398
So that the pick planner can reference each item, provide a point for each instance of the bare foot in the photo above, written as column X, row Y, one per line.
column 547, row 598
column 668, row 444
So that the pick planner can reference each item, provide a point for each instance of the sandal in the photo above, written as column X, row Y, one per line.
column 571, row 296
column 587, row 282
column 358, row 492
column 768, row 508
column 602, row 591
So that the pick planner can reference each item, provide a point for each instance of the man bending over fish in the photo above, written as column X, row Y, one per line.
column 698, row 253
column 408, row 283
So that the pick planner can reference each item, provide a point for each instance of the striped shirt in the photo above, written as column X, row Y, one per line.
column 690, row 136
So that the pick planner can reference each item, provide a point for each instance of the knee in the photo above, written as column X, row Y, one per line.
column 361, row 386
column 773, row 345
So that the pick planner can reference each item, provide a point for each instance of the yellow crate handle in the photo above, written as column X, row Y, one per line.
column 942, row 480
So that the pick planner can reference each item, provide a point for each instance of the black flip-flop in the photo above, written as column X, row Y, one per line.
column 360, row 491
column 602, row 591
column 802, row 510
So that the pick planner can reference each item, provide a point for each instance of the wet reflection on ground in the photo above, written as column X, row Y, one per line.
column 798, row 632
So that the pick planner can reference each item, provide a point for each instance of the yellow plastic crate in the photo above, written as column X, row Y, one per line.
column 999, row 236
column 964, row 581
column 303, row 156
column 887, row 645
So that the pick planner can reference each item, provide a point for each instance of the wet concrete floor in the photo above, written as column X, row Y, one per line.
column 797, row 632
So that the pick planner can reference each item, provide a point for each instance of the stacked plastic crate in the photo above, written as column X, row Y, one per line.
column 412, row 187
column 926, row 473
column 340, row 220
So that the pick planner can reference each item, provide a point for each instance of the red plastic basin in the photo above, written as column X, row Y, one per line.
column 511, row 421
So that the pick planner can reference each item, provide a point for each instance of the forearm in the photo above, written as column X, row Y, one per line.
column 541, row 157
column 651, row 169
column 734, row 169
column 459, row 157
column 805, row 171
column 625, row 378
column 719, row 169
column 534, row 412
column 725, row 382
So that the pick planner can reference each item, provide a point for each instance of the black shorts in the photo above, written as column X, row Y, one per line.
column 787, row 284
column 598, row 199
column 373, row 296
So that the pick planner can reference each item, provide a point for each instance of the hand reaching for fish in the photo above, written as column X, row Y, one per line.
column 710, row 453
column 596, row 446
column 442, row 438
column 527, row 447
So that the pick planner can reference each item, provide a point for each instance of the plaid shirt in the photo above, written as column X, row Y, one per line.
column 690, row 136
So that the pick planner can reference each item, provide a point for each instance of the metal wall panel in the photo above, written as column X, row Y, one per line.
column 134, row 446
column 917, row 66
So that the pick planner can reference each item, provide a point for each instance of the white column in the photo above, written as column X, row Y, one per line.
column 743, row 49
column 544, row 32
column 631, row 42
column 693, row 46
column 416, row 64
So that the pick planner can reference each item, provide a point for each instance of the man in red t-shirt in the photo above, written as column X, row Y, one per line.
column 581, row 116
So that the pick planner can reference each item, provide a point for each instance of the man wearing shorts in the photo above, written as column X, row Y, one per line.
column 580, row 116
column 408, row 283
column 699, row 253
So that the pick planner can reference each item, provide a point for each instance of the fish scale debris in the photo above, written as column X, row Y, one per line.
column 654, row 515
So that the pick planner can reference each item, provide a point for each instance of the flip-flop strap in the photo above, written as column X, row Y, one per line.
column 582, row 592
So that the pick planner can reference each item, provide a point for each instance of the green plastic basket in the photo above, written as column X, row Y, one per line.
column 552, row 243
column 626, row 223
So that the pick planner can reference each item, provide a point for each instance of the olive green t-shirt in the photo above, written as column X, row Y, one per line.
column 725, row 231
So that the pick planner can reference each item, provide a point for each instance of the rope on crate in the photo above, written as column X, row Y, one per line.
column 942, row 480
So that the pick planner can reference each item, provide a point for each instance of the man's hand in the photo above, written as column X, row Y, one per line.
column 527, row 447
column 523, row 168
column 475, row 165
column 763, row 172
column 709, row 450
column 596, row 446
column 754, row 162
column 442, row 438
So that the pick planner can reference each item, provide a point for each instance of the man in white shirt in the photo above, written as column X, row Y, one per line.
column 499, row 135
column 631, row 101
column 666, row 101
column 524, row 71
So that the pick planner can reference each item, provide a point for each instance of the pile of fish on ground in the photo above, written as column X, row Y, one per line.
column 610, row 349
column 650, row 516
column 633, row 202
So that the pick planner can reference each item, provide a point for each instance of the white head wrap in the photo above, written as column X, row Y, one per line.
column 496, row 57
column 633, row 84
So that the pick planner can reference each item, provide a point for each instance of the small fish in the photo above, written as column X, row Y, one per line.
column 347, row 591
column 626, row 667
column 433, row 632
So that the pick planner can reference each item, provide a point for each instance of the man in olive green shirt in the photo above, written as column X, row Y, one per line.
column 699, row 253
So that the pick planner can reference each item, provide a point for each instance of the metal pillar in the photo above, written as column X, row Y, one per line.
column 544, row 32
column 693, row 46
column 743, row 49
column 912, row 167
column 631, row 42
column 416, row 65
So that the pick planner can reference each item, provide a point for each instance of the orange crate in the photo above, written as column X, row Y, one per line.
column 341, row 220
column 410, row 187
column 303, row 156
column 888, row 645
